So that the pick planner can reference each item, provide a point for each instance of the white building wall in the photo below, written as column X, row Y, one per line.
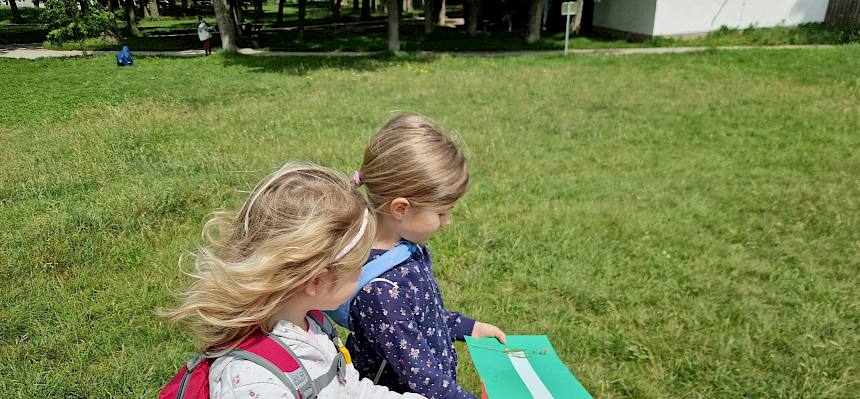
column 681, row 17
column 635, row 16
column 678, row 17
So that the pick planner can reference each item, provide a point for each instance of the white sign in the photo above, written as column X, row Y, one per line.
column 568, row 8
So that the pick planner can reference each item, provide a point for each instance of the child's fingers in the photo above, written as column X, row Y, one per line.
column 500, row 335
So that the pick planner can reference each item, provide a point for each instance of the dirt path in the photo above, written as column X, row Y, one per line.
column 35, row 51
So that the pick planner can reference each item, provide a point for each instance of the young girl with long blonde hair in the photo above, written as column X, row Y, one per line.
column 296, row 246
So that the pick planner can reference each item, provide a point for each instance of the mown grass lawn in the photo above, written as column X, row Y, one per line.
column 678, row 225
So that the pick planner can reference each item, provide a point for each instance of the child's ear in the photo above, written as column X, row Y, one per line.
column 398, row 208
column 320, row 284
column 314, row 286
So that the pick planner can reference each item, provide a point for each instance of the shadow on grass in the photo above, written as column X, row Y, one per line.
column 24, row 33
column 412, row 38
column 300, row 66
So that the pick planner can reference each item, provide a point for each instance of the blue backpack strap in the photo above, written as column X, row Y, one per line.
column 371, row 270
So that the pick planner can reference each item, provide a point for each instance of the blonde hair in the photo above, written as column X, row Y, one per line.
column 290, row 228
column 412, row 159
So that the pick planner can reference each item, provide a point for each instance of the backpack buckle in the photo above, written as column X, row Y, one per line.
column 341, row 368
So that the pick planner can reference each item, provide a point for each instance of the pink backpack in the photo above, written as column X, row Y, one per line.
column 267, row 351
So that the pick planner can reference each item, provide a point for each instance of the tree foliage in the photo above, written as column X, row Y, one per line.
column 75, row 20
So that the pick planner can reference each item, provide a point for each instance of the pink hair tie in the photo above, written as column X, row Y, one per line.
column 356, row 178
column 355, row 239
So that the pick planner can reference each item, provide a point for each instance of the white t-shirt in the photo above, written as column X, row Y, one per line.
column 238, row 378
column 203, row 31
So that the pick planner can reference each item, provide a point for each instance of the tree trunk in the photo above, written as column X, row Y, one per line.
column 131, row 17
column 407, row 6
column 442, row 12
column 152, row 9
column 280, row 20
column 429, row 17
column 258, row 10
column 535, row 18
column 473, row 11
column 365, row 10
column 83, row 48
column 577, row 19
column 335, row 8
column 439, row 12
column 237, row 13
column 356, row 6
column 429, row 22
column 303, row 5
column 36, row 3
column 393, row 26
column 226, row 16
column 16, row 15
column 113, row 35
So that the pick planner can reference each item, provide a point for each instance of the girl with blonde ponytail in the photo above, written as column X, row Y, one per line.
column 294, row 248
column 414, row 175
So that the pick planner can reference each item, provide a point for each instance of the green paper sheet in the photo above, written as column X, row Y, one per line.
column 537, row 372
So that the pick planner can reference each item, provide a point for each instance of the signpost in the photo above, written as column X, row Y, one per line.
column 568, row 8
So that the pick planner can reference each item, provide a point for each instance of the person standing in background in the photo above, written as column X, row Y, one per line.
column 204, row 33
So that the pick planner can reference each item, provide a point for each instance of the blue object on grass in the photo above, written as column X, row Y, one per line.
column 123, row 57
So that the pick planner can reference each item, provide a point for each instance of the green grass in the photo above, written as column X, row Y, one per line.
column 679, row 225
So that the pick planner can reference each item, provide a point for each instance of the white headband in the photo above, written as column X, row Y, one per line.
column 355, row 239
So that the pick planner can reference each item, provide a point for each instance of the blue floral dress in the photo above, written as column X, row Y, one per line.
column 400, row 317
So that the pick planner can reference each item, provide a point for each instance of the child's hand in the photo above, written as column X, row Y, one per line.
column 484, row 330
